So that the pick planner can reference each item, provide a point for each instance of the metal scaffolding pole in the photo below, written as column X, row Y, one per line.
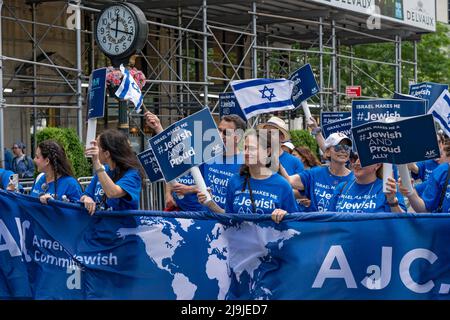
column 205, row 51
column 79, row 73
column 180, row 57
column 254, row 44
column 2, row 101
column 415, row 62
column 398, row 61
column 334, row 65
column 35, row 112
column 321, row 61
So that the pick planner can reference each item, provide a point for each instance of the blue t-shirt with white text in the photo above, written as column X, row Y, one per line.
column 66, row 186
column 130, row 182
column 190, row 201
column 351, row 196
column 319, row 185
column 434, row 187
column 269, row 194
column 291, row 164
column 425, row 169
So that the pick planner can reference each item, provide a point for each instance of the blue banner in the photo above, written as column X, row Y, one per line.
column 402, row 142
column 150, row 165
column 228, row 104
column 428, row 91
column 187, row 143
column 344, row 126
column 305, row 85
column 60, row 252
column 364, row 111
column 97, row 94
column 330, row 117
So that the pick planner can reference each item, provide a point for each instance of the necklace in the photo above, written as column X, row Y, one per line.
column 366, row 197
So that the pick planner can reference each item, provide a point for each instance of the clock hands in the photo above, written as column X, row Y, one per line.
column 118, row 30
column 117, row 24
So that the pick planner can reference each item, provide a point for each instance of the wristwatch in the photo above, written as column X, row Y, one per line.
column 393, row 204
column 316, row 131
column 101, row 169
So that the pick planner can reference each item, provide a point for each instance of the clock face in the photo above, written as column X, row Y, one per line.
column 116, row 30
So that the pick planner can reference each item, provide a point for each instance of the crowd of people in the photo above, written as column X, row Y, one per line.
column 270, row 175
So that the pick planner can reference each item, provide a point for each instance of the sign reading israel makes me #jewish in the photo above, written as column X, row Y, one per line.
column 427, row 90
column 150, row 165
column 364, row 111
column 330, row 117
column 96, row 94
column 305, row 85
column 186, row 144
column 228, row 104
column 399, row 142
column 343, row 125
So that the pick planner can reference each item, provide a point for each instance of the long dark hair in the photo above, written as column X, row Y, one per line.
column 264, row 138
column 51, row 150
column 308, row 158
column 118, row 145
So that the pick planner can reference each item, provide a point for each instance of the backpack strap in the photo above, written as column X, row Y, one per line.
column 444, row 190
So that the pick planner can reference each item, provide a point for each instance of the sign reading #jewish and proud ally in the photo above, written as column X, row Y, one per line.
column 427, row 90
column 409, row 140
column 228, row 104
column 330, row 117
column 364, row 111
column 305, row 85
column 150, row 165
column 187, row 143
column 96, row 94
column 343, row 125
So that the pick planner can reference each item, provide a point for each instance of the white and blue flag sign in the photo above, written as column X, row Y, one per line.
column 401, row 142
column 150, row 165
column 204, row 256
column 343, row 125
column 427, row 90
column 305, row 85
column 258, row 96
column 441, row 111
column 187, row 143
column 96, row 94
column 129, row 90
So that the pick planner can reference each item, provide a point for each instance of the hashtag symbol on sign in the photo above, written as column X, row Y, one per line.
column 160, row 149
column 360, row 116
column 362, row 137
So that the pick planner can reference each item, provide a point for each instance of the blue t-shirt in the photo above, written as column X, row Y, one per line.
column 5, row 178
column 368, row 198
column 319, row 185
column 130, row 182
column 66, row 186
column 217, row 174
column 434, row 186
column 425, row 169
column 269, row 194
column 291, row 164
column 190, row 201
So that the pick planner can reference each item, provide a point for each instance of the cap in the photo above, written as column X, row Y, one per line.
column 289, row 145
column 335, row 138
column 279, row 124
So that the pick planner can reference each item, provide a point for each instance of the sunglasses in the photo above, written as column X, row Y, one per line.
column 342, row 147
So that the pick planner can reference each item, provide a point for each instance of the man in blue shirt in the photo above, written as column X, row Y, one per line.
column 218, row 172
column 8, row 159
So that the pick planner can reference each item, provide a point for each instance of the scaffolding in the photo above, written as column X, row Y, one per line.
column 193, row 51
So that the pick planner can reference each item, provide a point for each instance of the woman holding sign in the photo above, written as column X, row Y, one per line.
column 364, row 192
column 257, row 188
column 117, row 182
column 56, row 180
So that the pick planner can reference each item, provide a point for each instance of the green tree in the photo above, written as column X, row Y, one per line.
column 304, row 138
column 68, row 138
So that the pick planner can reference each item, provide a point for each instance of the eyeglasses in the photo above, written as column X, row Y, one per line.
column 342, row 147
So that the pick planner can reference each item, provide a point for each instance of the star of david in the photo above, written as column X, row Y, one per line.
column 264, row 94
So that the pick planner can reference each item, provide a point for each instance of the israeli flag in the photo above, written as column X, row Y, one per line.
column 441, row 111
column 129, row 90
column 257, row 96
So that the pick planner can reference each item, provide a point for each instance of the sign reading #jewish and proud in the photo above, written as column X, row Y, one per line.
column 427, row 90
column 305, row 85
column 228, row 104
column 96, row 94
column 364, row 111
column 409, row 140
column 330, row 117
column 150, row 165
column 343, row 125
column 187, row 143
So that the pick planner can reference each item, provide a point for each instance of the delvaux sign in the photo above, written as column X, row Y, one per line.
column 417, row 13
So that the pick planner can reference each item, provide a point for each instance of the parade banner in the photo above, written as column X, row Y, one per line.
column 428, row 91
column 305, row 85
column 186, row 144
column 228, row 104
column 96, row 94
column 330, row 117
column 58, row 251
column 344, row 126
column 364, row 111
column 401, row 142
column 150, row 165
column 415, row 13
